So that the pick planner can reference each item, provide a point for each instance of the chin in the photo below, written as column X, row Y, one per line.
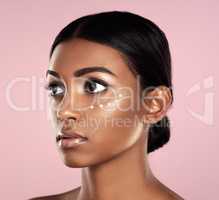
column 74, row 160
column 74, row 164
column 78, row 160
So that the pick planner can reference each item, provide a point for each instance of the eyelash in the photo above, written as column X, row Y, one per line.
column 54, row 85
column 98, row 81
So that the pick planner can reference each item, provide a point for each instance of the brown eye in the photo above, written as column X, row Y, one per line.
column 55, row 89
column 93, row 86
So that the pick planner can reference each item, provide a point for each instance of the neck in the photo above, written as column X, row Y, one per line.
column 124, row 177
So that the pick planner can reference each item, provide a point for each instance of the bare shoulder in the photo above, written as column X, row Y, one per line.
column 167, row 196
column 162, row 192
column 72, row 194
column 171, row 195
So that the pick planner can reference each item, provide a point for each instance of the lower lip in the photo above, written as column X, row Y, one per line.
column 67, row 143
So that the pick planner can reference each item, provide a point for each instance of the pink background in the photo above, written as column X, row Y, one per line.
column 30, row 164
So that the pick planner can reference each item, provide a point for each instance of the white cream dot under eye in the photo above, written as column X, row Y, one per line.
column 108, row 104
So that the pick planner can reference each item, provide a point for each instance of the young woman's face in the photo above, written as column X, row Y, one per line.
column 101, row 105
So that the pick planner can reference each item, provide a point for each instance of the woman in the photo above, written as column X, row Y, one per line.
column 109, row 82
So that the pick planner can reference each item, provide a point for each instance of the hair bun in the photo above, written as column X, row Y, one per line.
column 159, row 134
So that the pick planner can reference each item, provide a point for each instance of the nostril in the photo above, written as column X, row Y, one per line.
column 68, row 123
column 72, row 118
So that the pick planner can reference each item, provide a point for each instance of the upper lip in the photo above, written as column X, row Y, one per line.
column 71, row 134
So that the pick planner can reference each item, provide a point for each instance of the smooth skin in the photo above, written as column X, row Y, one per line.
column 114, row 161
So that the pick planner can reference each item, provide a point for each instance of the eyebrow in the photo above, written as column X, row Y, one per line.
column 53, row 73
column 83, row 71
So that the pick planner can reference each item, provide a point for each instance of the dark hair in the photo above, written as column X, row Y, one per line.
column 145, row 49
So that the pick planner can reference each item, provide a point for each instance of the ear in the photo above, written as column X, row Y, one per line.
column 156, row 104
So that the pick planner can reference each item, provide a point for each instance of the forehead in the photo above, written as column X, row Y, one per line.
column 69, row 56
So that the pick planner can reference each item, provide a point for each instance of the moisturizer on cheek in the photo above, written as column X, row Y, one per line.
column 101, row 113
column 110, row 105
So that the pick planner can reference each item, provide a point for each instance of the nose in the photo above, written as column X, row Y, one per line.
column 66, row 111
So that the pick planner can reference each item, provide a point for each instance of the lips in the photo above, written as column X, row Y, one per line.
column 70, row 140
column 64, row 135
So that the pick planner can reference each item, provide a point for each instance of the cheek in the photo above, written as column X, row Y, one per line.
column 117, row 129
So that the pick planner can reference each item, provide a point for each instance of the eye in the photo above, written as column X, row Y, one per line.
column 55, row 89
column 94, row 85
